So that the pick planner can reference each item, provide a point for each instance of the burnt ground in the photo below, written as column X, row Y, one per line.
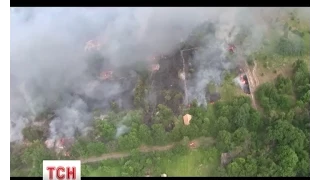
column 232, row 64
column 191, row 67
column 165, row 85
column 124, row 78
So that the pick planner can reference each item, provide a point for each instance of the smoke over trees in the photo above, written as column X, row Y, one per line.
column 108, row 99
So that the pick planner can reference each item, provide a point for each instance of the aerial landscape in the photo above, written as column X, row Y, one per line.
column 166, row 91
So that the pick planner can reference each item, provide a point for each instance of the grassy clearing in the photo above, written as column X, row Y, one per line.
column 268, row 69
column 270, row 64
column 228, row 90
column 108, row 169
column 194, row 163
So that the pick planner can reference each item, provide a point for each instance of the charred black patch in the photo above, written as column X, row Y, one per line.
column 213, row 97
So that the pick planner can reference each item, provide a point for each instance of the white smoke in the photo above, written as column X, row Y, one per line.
column 47, row 55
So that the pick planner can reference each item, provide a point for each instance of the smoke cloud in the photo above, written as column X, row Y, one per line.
column 49, row 67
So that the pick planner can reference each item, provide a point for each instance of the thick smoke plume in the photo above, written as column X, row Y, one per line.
column 49, row 65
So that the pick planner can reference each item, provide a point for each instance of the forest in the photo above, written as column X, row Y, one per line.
column 273, row 143
column 227, row 138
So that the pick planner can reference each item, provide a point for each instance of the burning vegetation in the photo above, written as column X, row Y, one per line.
column 116, row 99
column 92, row 45
column 242, row 81
column 231, row 48
column 106, row 75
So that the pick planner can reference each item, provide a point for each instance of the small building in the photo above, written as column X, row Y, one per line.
column 186, row 119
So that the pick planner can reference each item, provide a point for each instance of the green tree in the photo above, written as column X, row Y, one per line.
column 266, row 167
column 222, row 123
column 243, row 167
column 254, row 123
column 285, row 133
column 164, row 116
column 235, row 168
column 105, row 130
column 34, row 155
column 224, row 141
column 287, row 160
column 242, row 115
column 240, row 136
column 290, row 47
column 129, row 141
column 176, row 135
column 159, row 135
column 32, row 133
column 145, row 134
column 303, row 167
column 283, row 85
column 96, row 148
column 185, row 141
column 79, row 148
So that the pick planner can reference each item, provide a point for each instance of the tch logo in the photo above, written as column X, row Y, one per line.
column 61, row 170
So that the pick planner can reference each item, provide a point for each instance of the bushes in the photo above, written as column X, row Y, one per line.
column 283, row 85
column 301, row 80
column 289, row 47
column 105, row 130
column 250, row 60
column 32, row 133
column 276, row 96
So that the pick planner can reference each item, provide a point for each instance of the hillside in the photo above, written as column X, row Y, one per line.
column 250, row 111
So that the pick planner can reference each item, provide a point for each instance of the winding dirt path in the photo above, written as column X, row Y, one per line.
column 118, row 155
column 253, row 82
column 255, row 75
column 144, row 149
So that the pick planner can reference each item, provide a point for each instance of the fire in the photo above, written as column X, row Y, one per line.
column 231, row 48
column 242, row 79
column 155, row 67
column 92, row 44
column 49, row 143
column 106, row 75
column 192, row 144
column 67, row 154
column 62, row 141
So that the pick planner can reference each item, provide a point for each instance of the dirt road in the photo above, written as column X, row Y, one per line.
column 144, row 149
column 117, row 155
column 252, row 88
column 255, row 75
